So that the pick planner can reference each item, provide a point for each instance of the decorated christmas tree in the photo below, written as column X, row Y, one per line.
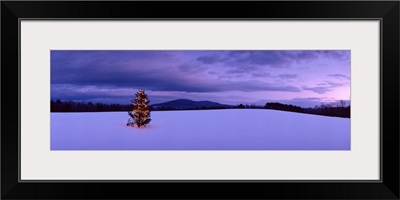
column 141, row 111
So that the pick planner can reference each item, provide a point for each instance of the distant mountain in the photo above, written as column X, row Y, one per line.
column 188, row 104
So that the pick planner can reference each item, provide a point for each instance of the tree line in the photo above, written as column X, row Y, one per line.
column 71, row 106
column 334, row 110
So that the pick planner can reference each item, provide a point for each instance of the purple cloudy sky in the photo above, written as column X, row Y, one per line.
column 303, row 78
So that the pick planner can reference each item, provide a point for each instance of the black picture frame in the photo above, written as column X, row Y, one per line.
column 386, row 11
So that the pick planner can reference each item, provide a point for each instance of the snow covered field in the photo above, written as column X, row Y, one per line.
column 238, row 129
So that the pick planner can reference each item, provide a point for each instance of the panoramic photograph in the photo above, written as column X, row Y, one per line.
column 200, row 100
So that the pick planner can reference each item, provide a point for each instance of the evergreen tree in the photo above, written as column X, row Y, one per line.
column 240, row 106
column 141, row 111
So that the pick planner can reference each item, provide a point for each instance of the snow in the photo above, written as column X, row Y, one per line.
column 232, row 129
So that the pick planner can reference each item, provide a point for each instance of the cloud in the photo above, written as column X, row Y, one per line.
column 274, row 59
column 231, row 76
column 95, row 74
column 192, row 67
column 335, row 54
column 243, row 70
column 288, row 76
column 89, row 93
column 324, row 87
column 307, row 99
column 247, row 62
column 339, row 76
column 212, row 58
column 261, row 74
column 261, row 86
column 330, row 84
column 114, row 69
column 149, row 70
column 282, row 58
column 319, row 90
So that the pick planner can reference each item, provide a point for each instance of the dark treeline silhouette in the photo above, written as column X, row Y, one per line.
column 323, row 109
column 333, row 110
column 70, row 106
column 251, row 106
column 330, row 110
column 285, row 107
